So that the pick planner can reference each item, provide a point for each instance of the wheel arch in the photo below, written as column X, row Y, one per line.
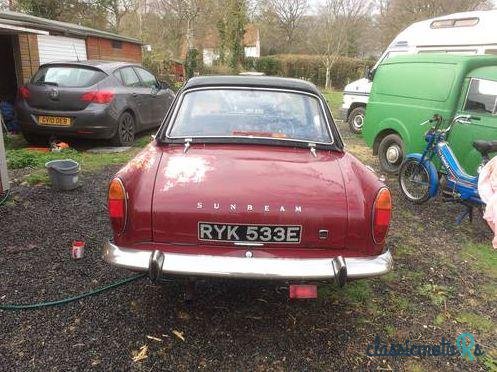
column 380, row 136
column 391, row 126
column 130, row 111
column 353, row 106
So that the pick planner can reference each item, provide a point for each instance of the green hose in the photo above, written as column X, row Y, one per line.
column 72, row 299
column 5, row 197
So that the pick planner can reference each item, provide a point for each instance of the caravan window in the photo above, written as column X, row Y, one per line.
column 482, row 96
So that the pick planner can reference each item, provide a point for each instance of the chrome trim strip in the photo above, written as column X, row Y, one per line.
column 248, row 268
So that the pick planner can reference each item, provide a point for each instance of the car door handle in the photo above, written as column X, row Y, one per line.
column 134, row 94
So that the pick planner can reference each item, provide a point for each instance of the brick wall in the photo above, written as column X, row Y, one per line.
column 27, row 57
column 98, row 48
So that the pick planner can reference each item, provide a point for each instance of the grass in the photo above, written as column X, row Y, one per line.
column 334, row 99
column 476, row 322
column 436, row 293
column 482, row 257
column 19, row 156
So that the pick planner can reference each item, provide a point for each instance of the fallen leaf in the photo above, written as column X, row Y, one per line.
column 154, row 338
column 142, row 354
column 179, row 335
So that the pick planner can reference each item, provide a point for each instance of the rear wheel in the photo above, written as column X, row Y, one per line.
column 125, row 132
column 356, row 120
column 414, row 181
column 391, row 153
column 35, row 139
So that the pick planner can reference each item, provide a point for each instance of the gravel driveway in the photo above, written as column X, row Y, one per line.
column 230, row 324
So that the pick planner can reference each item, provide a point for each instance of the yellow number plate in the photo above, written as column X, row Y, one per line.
column 56, row 121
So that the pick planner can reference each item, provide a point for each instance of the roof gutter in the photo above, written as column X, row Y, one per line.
column 4, row 26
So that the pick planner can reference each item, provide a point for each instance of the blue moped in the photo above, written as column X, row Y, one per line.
column 420, row 180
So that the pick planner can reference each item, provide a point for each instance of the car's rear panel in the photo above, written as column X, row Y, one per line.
column 268, row 186
column 62, row 87
column 57, row 102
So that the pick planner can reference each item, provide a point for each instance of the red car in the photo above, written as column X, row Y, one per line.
column 248, row 178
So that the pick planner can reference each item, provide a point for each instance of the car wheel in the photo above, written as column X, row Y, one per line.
column 414, row 181
column 356, row 120
column 391, row 153
column 35, row 139
column 125, row 131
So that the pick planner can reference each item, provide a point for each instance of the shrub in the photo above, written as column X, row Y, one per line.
column 309, row 67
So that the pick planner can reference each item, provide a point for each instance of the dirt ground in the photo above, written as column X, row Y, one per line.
column 444, row 283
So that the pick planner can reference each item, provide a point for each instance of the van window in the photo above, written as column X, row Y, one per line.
column 482, row 96
column 426, row 81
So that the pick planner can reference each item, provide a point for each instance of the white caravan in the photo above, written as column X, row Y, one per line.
column 458, row 33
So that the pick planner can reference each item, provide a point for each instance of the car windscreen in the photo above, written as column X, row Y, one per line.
column 68, row 76
column 250, row 113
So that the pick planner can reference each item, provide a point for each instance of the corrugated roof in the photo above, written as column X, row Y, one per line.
column 26, row 20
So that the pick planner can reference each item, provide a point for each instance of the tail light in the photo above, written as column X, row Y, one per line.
column 116, row 203
column 98, row 96
column 382, row 211
column 24, row 93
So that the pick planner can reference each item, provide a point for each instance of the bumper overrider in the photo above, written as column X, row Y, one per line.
column 159, row 264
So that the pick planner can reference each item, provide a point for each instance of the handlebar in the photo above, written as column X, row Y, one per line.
column 437, row 119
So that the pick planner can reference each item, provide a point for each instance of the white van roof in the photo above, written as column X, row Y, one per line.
column 466, row 28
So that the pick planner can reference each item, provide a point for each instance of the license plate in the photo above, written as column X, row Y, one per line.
column 56, row 121
column 222, row 232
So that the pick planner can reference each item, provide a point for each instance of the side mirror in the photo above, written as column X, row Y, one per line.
column 163, row 85
column 369, row 73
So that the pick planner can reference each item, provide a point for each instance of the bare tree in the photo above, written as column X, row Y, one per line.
column 329, row 37
column 116, row 10
column 287, row 14
column 187, row 12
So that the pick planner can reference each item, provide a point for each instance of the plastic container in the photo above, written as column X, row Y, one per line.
column 64, row 174
column 78, row 249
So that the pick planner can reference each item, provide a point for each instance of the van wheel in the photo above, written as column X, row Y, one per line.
column 125, row 131
column 356, row 120
column 391, row 153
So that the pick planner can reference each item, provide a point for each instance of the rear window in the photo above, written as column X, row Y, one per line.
column 68, row 76
column 251, row 113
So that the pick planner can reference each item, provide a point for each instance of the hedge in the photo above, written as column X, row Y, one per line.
column 309, row 67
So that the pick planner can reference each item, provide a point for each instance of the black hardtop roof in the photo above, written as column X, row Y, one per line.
column 252, row 82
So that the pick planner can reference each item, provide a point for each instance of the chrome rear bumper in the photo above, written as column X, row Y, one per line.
column 158, row 264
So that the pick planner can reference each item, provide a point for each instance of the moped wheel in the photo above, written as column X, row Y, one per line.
column 414, row 181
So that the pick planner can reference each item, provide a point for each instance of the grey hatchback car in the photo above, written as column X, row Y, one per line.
column 91, row 99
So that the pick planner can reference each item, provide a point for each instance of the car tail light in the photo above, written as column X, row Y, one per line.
column 382, row 211
column 24, row 92
column 117, row 205
column 98, row 96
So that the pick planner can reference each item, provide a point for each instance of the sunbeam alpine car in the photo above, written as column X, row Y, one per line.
column 248, row 178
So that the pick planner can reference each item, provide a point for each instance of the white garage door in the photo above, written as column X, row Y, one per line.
column 60, row 48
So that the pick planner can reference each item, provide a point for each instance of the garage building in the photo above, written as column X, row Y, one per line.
column 27, row 41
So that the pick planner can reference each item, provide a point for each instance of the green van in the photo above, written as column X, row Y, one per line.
column 407, row 90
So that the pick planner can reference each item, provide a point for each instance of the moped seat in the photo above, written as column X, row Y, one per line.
column 485, row 147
